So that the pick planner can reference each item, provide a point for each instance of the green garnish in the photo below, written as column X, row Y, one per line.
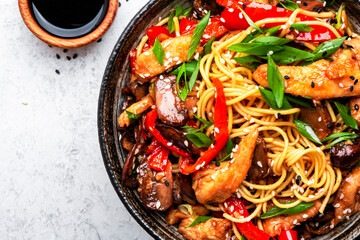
column 340, row 137
column 194, row 76
column 300, row 101
column 207, row 47
column 198, row 32
column 250, row 22
column 185, row 91
column 327, row 48
column 345, row 114
column 302, row 27
column 269, row 98
column 158, row 51
column 199, row 220
column 175, row 13
column 306, row 130
column 289, row 5
column 276, row 82
column 275, row 211
column 132, row 116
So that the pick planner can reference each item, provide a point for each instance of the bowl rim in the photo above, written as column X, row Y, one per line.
column 101, row 126
column 39, row 32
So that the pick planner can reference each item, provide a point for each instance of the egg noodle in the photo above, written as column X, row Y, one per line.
column 299, row 168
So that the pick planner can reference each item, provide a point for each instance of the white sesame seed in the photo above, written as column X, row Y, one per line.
column 213, row 177
column 295, row 222
column 222, row 60
column 337, row 205
column 186, row 143
column 169, row 144
column 168, row 55
column 146, row 53
column 259, row 164
column 305, row 216
column 270, row 52
column 319, row 119
column 311, row 196
column 147, row 74
column 341, row 196
column 231, row 10
column 341, row 85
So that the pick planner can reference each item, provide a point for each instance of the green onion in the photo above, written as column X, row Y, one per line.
column 250, row 22
column 340, row 134
column 132, row 116
column 345, row 114
column 184, row 92
column 272, row 40
column 199, row 139
column 189, row 68
column 339, row 16
column 275, row 211
column 289, row 55
column 194, row 76
column 158, row 51
column 207, row 47
column 327, row 48
column 199, row 220
column 187, row 12
column 269, row 98
column 198, row 32
column 302, row 27
column 207, row 123
column 300, row 101
column 257, row 49
column 306, row 130
column 248, row 61
column 341, row 139
column 289, row 5
column 176, row 13
column 276, row 82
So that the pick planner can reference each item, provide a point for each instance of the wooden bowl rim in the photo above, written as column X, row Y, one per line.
column 38, row 31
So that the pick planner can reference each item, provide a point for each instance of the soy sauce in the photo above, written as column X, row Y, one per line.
column 69, row 18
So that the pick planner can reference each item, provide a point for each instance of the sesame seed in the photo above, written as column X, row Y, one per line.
column 312, row 189
column 338, row 125
column 341, row 196
column 217, row 164
column 312, row 84
column 295, row 222
column 352, row 77
column 356, row 107
column 356, row 81
column 244, row 6
column 329, row 125
column 337, row 205
column 166, row 183
column 57, row 71
column 341, row 85
column 319, row 119
column 75, row 55
column 57, row 56
column 286, row 77
column 291, row 28
column 305, row 216
column 351, row 88
column 259, row 164
column 324, row 54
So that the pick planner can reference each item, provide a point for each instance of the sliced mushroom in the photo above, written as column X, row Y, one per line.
column 171, row 110
column 202, row 7
column 343, row 155
column 355, row 108
column 259, row 165
column 139, row 89
column 319, row 119
column 135, row 156
column 156, row 188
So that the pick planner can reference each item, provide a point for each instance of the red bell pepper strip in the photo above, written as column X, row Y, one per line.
column 288, row 235
column 214, row 28
column 157, row 32
column 233, row 18
column 159, row 158
column 150, row 125
column 221, row 136
column 235, row 207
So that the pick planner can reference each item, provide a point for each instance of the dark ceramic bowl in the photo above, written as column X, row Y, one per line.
column 116, row 76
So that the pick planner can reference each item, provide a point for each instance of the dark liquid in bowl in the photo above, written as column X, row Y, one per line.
column 69, row 18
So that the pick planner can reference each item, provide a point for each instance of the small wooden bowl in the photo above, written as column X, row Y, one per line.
column 35, row 28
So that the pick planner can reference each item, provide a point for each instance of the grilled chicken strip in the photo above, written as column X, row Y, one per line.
column 176, row 51
column 322, row 79
column 212, row 229
column 137, row 108
column 275, row 225
column 215, row 184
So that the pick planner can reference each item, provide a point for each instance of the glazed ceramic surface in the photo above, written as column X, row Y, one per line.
column 117, row 75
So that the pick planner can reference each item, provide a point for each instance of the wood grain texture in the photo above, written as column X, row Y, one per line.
column 34, row 27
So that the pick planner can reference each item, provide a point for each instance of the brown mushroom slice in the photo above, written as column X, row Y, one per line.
column 212, row 229
column 343, row 155
column 170, row 109
column 136, row 154
column 319, row 119
column 202, row 7
column 139, row 89
column 155, row 187
column 259, row 165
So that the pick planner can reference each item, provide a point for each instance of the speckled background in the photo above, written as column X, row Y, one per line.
column 53, row 184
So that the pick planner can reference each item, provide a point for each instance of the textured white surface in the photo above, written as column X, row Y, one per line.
column 53, row 181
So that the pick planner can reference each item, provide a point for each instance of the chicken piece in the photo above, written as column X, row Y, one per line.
column 318, row 118
column 275, row 225
column 175, row 215
column 212, row 229
column 347, row 201
column 355, row 108
column 169, row 107
column 271, row 2
column 176, row 51
column 322, row 79
column 136, row 108
column 215, row 184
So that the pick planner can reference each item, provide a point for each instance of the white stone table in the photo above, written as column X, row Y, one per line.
column 53, row 184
